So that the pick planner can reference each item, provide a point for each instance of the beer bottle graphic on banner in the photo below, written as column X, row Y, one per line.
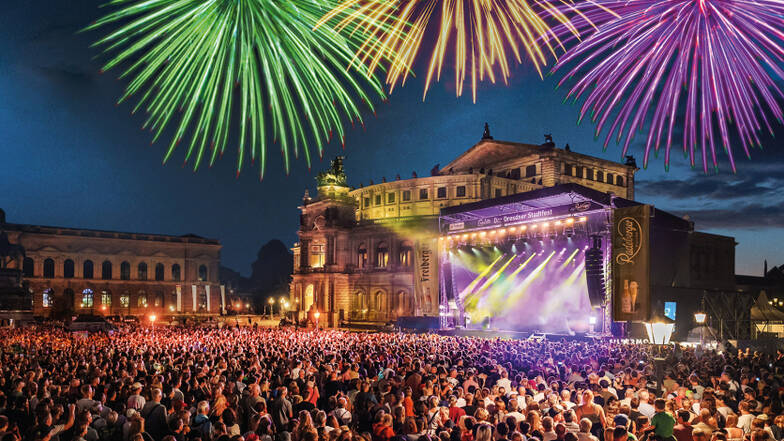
column 626, row 299
column 633, row 287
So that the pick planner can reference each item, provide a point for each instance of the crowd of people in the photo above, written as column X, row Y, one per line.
column 243, row 384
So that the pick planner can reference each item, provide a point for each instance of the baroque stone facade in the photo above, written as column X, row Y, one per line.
column 114, row 273
column 368, row 254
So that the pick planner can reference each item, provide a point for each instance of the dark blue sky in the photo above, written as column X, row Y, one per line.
column 70, row 157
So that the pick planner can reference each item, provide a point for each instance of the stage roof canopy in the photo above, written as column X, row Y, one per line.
column 564, row 195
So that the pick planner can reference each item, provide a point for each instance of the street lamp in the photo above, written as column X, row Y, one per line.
column 659, row 329
column 700, row 317
column 152, row 322
column 271, row 302
column 317, row 315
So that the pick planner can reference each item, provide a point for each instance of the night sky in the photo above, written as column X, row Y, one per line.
column 70, row 157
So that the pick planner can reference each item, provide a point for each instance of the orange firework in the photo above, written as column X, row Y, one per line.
column 485, row 35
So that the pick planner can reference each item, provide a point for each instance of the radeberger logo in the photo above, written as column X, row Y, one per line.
column 630, row 235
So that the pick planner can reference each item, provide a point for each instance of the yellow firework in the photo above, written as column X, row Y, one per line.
column 485, row 35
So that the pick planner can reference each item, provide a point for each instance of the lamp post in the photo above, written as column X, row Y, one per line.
column 271, row 302
column 700, row 317
column 659, row 329
column 152, row 322
column 316, row 316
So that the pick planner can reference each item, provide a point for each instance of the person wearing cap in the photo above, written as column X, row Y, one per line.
column 136, row 401
column 622, row 420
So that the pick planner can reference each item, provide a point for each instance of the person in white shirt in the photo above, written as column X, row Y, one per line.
column 504, row 381
column 645, row 407
column 514, row 410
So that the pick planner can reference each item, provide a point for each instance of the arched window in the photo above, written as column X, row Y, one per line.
column 406, row 254
column 141, row 302
column 125, row 300
column 402, row 306
column 202, row 273
column 87, row 298
column 106, row 298
column 358, row 302
column 125, row 271
column 600, row 176
column 382, row 255
column 362, row 256
column 49, row 268
column 378, row 301
column 610, row 178
column 28, row 267
column 48, row 297
column 142, row 271
column 68, row 269
column 106, row 270
column 87, row 269
column 157, row 301
column 159, row 271
column 619, row 181
column 176, row 272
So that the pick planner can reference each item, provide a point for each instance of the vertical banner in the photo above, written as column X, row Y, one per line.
column 179, row 298
column 193, row 292
column 207, row 288
column 631, row 263
column 223, row 299
column 426, row 277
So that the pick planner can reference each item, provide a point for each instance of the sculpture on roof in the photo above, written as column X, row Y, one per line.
column 486, row 134
column 335, row 175
column 9, row 252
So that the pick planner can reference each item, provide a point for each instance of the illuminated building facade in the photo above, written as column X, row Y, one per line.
column 370, row 254
column 114, row 273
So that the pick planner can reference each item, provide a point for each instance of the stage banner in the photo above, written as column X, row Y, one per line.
column 426, row 273
column 631, row 263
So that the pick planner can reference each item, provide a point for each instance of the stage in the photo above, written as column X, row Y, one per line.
column 528, row 263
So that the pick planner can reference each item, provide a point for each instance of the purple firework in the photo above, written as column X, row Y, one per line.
column 702, row 66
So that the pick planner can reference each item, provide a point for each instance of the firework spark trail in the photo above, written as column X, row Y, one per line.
column 185, row 58
column 706, row 66
column 486, row 35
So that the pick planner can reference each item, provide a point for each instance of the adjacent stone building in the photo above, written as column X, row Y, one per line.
column 370, row 254
column 115, row 273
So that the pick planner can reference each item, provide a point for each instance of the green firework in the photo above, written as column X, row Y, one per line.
column 257, row 67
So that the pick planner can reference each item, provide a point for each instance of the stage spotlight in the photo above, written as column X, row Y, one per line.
column 545, row 224
column 583, row 219
column 482, row 234
column 557, row 222
column 570, row 221
column 534, row 226
column 592, row 320
column 465, row 236
column 512, row 229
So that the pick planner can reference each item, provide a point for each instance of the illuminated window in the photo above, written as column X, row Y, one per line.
column 382, row 255
column 125, row 271
column 106, row 270
column 202, row 273
column 106, row 298
column 87, row 298
column 406, row 195
column 159, row 271
column 176, row 272
column 441, row 193
column 157, row 301
column 406, row 254
column 47, row 298
column 362, row 256
column 422, row 194
column 142, row 271
column 142, row 300
column 125, row 300
column 87, row 269
column 390, row 198
column 49, row 268
column 68, row 269
column 461, row 191
column 317, row 253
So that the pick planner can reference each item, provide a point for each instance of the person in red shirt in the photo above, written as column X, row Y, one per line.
column 455, row 413
column 382, row 430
